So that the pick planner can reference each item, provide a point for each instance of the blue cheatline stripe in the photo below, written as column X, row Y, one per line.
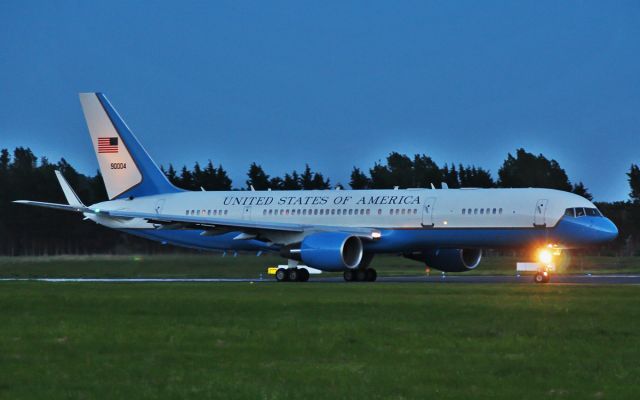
column 569, row 231
column 153, row 180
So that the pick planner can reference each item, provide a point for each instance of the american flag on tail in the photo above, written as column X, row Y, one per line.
column 107, row 145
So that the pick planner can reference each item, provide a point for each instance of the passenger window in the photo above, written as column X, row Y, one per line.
column 415, row 211
column 475, row 210
column 481, row 211
column 463, row 211
column 362, row 211
column 187, row 212
column 368, row 211
column 333, row 211
column 391, row 212
column 321, row 211
column 500, row 211
column 579, row 212
column 494, row 210
column 379, row 211
column 350, row 211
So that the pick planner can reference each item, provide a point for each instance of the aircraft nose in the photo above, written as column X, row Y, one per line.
column 606, row 230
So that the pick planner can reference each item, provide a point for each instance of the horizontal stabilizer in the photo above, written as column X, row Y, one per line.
column 56, row 206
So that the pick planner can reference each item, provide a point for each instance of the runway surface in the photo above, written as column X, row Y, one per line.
column 620, row 279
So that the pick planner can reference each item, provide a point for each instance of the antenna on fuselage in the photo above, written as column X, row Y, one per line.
column 433, row 187
column 444, row 185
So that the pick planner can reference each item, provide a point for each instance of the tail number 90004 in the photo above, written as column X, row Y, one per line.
column 118, row 165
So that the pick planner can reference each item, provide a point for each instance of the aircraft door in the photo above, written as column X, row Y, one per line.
column 159, row 206
column 246, row 212
column 539, row 214
column 427, row 211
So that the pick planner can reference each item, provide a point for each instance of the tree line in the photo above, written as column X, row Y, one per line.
column 34, row 231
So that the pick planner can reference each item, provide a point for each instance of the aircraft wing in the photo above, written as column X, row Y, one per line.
column 187, row 221
column 167, row 221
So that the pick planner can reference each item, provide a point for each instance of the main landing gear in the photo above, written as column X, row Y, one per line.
column 360, row 275
column 292, row 275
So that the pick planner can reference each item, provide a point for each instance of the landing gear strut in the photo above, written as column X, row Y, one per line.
column 360, row 275
column 292, row 275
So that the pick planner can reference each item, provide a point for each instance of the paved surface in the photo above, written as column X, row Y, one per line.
column 555, row 279
column 476, row 279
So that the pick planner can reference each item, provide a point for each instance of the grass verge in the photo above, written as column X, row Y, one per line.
column 328, row 341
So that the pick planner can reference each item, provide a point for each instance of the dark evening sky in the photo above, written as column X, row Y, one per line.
column 332, row 84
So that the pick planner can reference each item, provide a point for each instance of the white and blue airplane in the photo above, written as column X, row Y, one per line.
column 330, row 230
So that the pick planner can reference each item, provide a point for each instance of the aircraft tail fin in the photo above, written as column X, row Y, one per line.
column 126, row 168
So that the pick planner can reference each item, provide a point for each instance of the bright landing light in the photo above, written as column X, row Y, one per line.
column 545, row 256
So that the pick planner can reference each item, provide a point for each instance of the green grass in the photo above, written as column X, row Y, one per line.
column 247, row 266
column 324, row 341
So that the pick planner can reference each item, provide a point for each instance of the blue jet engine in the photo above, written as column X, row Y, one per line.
column 331, row 251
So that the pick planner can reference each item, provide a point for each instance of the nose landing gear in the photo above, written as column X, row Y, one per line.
column 542, row 277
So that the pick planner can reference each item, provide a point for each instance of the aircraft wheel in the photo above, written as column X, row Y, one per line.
column 281, row 275
column 349, row 275
column 541, row 278
column 294, row 274
column 361, row 275
column 304, row 275
column 372, row 275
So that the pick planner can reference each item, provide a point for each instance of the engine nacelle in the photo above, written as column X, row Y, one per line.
column 331, row 251
column 449, row 260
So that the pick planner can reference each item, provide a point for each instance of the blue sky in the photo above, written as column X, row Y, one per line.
column 332, row 84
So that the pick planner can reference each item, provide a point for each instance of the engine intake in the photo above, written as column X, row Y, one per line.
column 449, row 260
column 331, row 251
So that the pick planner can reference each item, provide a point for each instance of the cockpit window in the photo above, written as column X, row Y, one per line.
column 582, row 212
column 593, row 212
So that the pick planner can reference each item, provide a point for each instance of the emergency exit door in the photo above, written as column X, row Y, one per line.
column 540, row 213
column 427, row 211
column 246, row 213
